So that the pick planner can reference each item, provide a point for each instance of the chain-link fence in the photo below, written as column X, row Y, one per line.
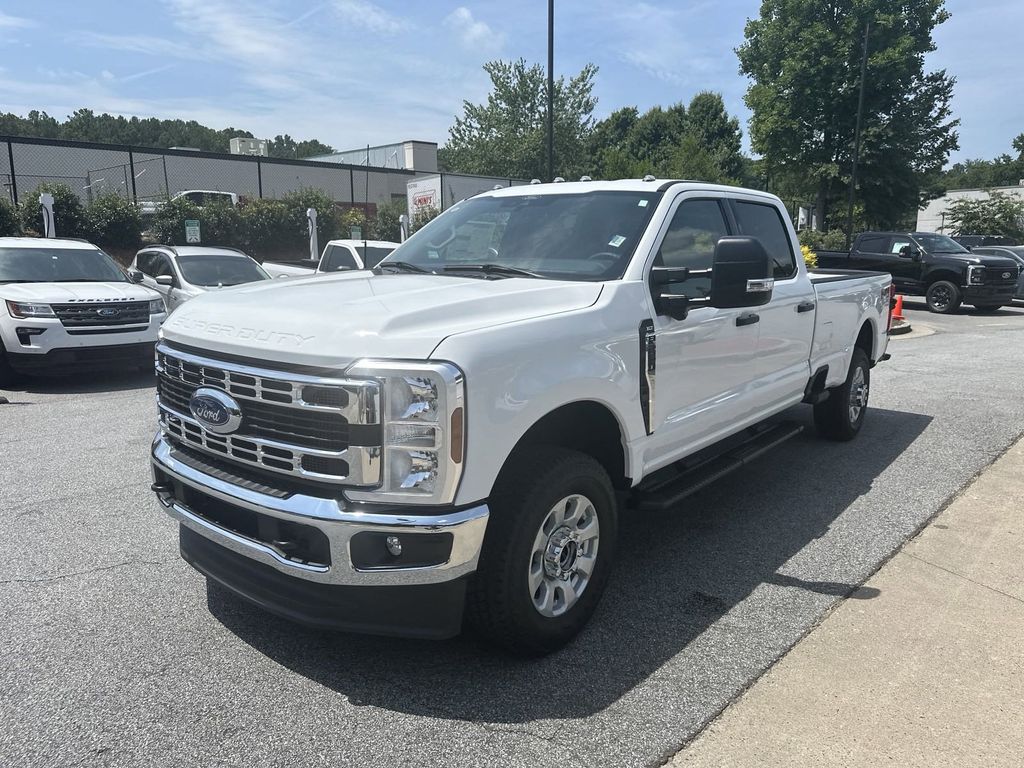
column 146, row 174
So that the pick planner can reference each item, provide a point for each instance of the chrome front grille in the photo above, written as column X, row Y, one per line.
column 318, row 428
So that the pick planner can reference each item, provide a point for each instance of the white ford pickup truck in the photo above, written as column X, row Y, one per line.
column 455, row 434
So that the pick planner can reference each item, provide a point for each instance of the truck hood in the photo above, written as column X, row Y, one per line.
column 330, row 321
column 996, row 262
column 60, row 293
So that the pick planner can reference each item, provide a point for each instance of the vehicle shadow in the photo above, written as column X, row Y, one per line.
column 83, row 383
column 1007, row 310
column 677, row 574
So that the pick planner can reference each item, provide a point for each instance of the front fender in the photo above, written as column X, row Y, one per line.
column 519, row 372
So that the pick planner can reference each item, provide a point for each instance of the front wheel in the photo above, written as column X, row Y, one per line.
column 842, row 415
column 943, row 297
column 547, row 553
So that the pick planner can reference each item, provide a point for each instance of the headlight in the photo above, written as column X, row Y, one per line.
column 156, row 307
column 423, row 415
column 975, row 275
column 24, row 309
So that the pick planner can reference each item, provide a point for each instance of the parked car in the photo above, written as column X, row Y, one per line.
column 66, row 306
column 200, row 197
column 1015, row 252
column 934, row 266
column 179, row 273
column 455, row 431
column 337, row 256
column 971, row 242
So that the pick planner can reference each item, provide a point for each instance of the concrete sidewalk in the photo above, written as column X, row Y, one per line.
column 927, row 669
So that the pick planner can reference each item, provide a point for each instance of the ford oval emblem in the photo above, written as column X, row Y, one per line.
column 108, row 312
column 215, row 410
column 1006, row 275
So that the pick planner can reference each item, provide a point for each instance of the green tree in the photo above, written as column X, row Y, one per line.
column 803, row 58
column 386, row 225
column 716, row 132
column 998, row 214
column 68, row 212
column 1003, row 171
column 506, row 136
column 287, row 147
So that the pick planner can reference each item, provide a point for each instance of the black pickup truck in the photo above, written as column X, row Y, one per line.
column 931, row 265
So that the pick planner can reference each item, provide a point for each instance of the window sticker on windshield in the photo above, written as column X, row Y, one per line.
column 642, row 204
column 616, row 241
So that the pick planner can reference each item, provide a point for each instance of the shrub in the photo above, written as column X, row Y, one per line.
column 423, row 216
column 68, row 211
column 387, row 226
column 114, row 222
column 328, row 217
column 810, row 257
column 221, row 224
column 833, row 240
column 268, row 230
column 168, row 225
column 8, row 219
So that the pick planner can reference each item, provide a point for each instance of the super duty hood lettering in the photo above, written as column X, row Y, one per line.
column 242, row 333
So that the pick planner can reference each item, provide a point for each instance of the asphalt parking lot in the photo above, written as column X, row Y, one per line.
column 117, row 653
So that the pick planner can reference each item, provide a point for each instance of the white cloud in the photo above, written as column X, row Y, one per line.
column 106, row 74
column 473, row 33
column 366, row 15
column 153, row 46
column 14, row 22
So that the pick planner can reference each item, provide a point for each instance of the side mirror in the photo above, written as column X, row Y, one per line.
column 166, row 280
column 742, row 274
column 134, row 275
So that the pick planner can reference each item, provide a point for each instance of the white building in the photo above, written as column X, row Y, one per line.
column 246, row 146
column 403, row 155
column 932, row 218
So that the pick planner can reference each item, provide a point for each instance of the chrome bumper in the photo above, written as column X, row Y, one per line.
column 337, row 523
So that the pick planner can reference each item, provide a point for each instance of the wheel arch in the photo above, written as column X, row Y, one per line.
column 942, row 273
column 587, row 426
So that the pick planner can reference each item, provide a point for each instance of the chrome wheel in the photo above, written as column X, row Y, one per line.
column 858, row 394
column 564, row 555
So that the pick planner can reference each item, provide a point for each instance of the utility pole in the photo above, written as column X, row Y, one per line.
column 856, row 135
column 551, row 90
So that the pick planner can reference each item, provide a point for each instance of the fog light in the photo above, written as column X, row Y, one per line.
column 25, row 334
column 394, row 545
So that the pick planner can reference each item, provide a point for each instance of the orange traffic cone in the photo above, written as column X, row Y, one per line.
column 897, row 312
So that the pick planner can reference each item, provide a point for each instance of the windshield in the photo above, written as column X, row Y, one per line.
column 940, row 244
column 58, row 265
column 213, row 269
column 589, row 236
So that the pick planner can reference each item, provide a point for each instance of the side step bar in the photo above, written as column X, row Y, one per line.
column 667, row 488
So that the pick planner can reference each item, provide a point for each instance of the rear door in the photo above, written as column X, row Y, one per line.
column 704, row 363
column 870, row 252
column 787, row 321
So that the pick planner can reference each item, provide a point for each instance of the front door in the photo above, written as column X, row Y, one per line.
column 704, row 364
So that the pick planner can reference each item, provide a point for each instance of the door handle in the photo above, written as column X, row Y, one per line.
column 805, row 306
column 748, row 319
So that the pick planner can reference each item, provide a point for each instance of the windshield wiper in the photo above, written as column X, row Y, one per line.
column 492, row 269
column 401, row 266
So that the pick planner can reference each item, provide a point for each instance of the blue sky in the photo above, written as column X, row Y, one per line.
column 351, row 72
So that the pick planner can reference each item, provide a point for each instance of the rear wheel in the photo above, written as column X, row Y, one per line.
column 547, row 553
column 943, row 297
column 842, row 415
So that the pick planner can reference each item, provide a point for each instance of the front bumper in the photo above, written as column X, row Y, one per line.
column 67, row 360
column 321, row 561
column 989, row 294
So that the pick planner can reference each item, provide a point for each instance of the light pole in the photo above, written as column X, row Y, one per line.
column 551, row 90
column 856, row 136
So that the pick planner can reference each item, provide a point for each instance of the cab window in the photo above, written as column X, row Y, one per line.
column 690, row 241
column 338, row 258
column 765, row 223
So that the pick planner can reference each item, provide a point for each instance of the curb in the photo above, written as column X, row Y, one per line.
column 899, row 327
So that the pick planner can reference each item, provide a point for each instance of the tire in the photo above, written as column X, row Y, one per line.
column 841, row 417
column 8, row 375
column 513, row 600
column 988, row 307
column 943, row 297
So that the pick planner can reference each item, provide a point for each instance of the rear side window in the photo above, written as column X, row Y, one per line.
column 144, row 263
column 690, row 241
column 899, row 243
column 765, row 223
column 874, row 244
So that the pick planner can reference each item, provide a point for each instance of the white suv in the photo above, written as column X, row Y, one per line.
column 65, row 305
column 179, row 273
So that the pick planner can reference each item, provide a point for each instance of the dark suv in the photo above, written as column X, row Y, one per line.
column 934, row 266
